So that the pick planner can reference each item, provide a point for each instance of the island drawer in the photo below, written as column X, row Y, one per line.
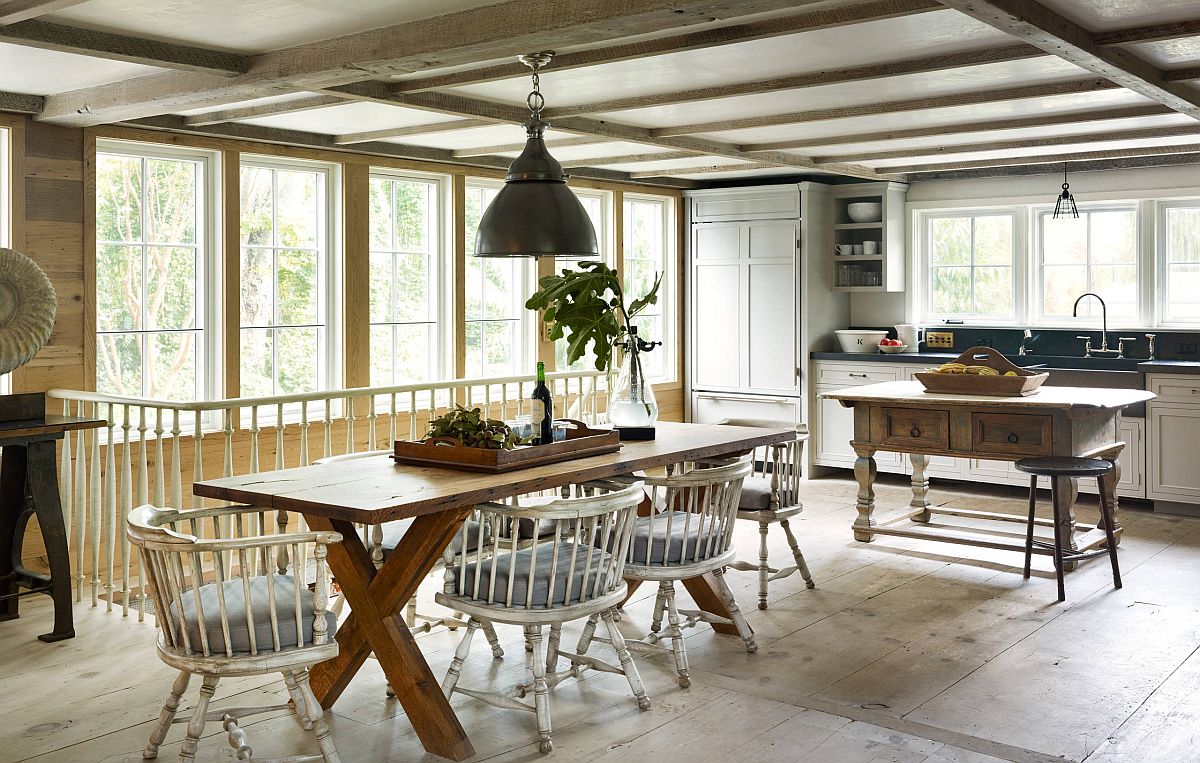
column 1010, row 433
column 912, row 429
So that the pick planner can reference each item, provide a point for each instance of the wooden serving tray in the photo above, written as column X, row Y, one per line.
column 1025, row 383
column 450, row 453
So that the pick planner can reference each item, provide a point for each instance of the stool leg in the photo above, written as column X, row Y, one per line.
column 1106, row 516
column 1057, row 496
column 1029, row 529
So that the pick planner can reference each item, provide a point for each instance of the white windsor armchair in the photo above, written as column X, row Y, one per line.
column 254, row 616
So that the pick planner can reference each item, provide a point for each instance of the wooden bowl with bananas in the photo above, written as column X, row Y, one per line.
column 982, row 371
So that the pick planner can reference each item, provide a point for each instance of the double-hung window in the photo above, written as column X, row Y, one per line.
column 499, row 330
column 1180, row 278
column 1098, row 252
column 407, row 272
column 288, row 277
column 969, row 271
column 649, row 226
column 154, row 267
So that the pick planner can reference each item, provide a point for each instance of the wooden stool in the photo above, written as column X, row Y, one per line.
column 1057, row 467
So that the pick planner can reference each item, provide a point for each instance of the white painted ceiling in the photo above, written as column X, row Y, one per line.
column 257, row 26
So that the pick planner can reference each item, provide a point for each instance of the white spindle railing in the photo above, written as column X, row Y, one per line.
column 140, row 454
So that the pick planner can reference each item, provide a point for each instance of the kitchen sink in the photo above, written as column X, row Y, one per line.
column 1078, row 363
column 1106, row 378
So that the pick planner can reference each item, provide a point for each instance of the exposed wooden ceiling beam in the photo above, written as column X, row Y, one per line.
column 403, row 132
column 1151, row 33
column 1095, row 165
column 497, row 31
column 14, row 11
column 1047, row 90
column 1055, row 34
column 119, row 47
column 1056, row 158
column 292, row 106
column 1180, row 75
column 698, row 40
column 1173, row 131
column 704, row 169
column 235, row 130
column 1041, row 120
column 922, row 65
column 21, row 103
column 452, row 103
column 582, row 140
column 626, row 159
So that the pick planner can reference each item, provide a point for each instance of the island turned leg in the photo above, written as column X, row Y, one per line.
column 1066, row 490
column 864, row 472
column 1108, row 483
column 920, row 487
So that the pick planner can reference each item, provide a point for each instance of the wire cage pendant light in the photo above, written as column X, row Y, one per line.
column 1065, row 206
column 535, row 214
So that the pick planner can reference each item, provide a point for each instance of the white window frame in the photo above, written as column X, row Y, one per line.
column 6, row 212
column 442, row 263
column 526, row 279
column 668, row 291
column 923, row 272
column 1160, row 270
column 208, row 250
column 1036, row 285
column 329, row 367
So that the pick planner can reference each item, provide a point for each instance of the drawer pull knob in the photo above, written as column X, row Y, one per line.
column 1012, row 437
column 914, row 432
column 857, row 376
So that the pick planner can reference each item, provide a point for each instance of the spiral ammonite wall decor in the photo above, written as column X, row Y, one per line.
column 27, row 307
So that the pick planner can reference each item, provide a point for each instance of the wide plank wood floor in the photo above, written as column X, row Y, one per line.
column 907, row 650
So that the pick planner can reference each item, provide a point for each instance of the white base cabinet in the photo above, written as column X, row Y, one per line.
column 1173, row 420
column 833, row 428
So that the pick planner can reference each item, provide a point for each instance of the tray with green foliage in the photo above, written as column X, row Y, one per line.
column 464, row 438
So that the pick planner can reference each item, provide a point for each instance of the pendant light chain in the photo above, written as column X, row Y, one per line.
column 535, row 100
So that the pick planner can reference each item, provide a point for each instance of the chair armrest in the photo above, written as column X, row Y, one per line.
column 266, row 541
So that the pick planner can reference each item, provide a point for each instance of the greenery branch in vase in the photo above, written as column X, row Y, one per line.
column 588, row 307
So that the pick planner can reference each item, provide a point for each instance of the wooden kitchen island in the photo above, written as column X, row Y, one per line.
column 1056, row 421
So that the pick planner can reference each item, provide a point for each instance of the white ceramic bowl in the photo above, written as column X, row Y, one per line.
column 893, row 349
column 865, row 211
column 859, row 340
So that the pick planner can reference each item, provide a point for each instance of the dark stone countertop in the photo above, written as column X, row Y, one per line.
column 1169, row 367
column 883, row 357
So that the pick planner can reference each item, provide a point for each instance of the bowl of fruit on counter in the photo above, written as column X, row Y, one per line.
column 982, row 371
column 892, row 346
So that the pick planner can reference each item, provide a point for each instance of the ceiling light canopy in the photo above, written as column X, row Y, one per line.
column 535, row 214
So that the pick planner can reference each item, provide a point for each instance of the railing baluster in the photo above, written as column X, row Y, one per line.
column 94, row 506
column 279, row 426
column 328, row 439
column 197, row 457
column 80, row 503
column 66, row 496
column 227, row 431
column 176, row 476
column 371, row 419
column 350, row 419
column 125, row 507
column 143, row 495
column 160, row 469
column 304, row 433
column 253, row 441
column 110, row 506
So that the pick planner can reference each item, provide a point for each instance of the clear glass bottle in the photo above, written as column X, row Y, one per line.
column 631, row 400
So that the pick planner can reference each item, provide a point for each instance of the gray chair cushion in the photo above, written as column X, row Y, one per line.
column 520, row 562
column 394, row 531
column 239, row 634
column 756, row 494
column 680, row 549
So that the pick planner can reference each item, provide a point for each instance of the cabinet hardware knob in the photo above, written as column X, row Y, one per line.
column 1012, row 438
column 857, row 376
column 914, row 432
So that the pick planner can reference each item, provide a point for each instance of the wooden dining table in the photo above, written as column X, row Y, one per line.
column 337, row 496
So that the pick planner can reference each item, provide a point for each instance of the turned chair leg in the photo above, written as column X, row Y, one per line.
column 552, row 647
column 764, row 568
column 167, row 716
column 797, row 555
column 489, row 631
column 735, row 612
column 1029, row 529
column 626, row 659
column 316, row 716
column 195, row 727
column 541, row 688
column 460, row 656
column 589, row 632
column 293, row 687
column 675, row 633
column 660, row 604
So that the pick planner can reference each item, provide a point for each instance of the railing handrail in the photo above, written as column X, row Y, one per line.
column 301, row 397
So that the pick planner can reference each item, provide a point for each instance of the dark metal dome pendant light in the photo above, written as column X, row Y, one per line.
column 535, row 214
column 1066, row 202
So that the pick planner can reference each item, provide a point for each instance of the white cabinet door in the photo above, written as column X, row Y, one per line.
column 712, row 407
column 1132, row 462
column 771, row 340
column 717, row 338
column 1174, row 433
